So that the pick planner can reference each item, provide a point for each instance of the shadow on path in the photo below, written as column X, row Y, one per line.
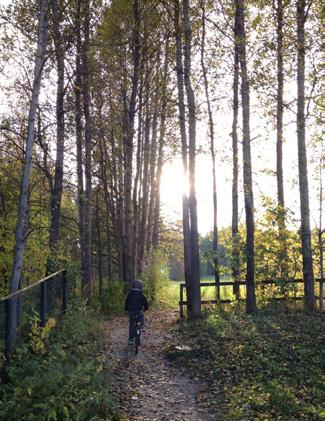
column 147, row 386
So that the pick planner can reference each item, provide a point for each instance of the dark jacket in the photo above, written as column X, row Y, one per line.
column 136, row 301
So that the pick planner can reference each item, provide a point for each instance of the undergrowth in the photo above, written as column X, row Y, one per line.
column 265, row 367
column 62, row 374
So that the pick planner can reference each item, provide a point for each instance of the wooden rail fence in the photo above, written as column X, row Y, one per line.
column 12, row 306
column 183, row 302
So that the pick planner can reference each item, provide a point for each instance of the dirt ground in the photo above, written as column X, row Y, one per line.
column 147, row 386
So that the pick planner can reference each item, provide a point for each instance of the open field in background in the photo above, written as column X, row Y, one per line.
column 168, row 292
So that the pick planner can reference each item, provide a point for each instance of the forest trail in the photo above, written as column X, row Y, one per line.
column 147, row 386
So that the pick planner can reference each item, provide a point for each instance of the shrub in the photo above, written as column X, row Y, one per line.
column 67, row 380
column 112, row 300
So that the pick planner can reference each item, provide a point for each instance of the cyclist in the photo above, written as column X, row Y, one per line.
column 136, row 303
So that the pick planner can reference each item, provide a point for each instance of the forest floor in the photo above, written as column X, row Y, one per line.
column 147, row 386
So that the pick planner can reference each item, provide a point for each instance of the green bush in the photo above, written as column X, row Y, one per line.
column 112, row 300
column 69, row 380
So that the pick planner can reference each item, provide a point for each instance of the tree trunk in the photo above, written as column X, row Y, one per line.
column 56, row 194
column 213, row 158
column 247, row 164
column 234, row 223
column 181, row 107
column 195, row 310
column 321, row 233
column 79, row 140
column 86, row 276
column 145, row 180
column 99, row 246
column 162, row 130
column 128, row 149
column 302, row 162
column 23, row 208
column 152, row 171
column 137, row 183
column 279, row 142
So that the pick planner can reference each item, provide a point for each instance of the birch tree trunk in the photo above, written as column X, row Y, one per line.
column 23, row 208
column 247, row 164
column 307, row 257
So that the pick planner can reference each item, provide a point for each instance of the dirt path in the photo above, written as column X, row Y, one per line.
column 147, row 386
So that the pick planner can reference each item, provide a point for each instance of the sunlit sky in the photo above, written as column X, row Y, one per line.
column 263, row 159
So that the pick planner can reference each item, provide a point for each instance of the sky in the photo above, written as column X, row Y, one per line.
column 263, row 159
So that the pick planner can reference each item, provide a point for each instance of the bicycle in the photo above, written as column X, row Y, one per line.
column 137, row 330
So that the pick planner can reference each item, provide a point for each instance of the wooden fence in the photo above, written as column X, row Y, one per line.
column 183, row 302
column 13, row 305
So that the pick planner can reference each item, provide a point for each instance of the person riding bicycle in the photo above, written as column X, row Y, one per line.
column 136, row 303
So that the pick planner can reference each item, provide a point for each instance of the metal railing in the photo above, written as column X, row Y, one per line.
column 42, row 299
column 264, row 283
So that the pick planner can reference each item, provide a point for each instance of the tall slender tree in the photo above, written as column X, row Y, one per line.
column 56, row 193
column 195, row 310
column 23, row 208
column 234, row 135
column 247, row 164
column 302, row 160
column 279, row 140
column 212, row 150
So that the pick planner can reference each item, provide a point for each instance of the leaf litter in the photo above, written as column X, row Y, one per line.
column 148, row 387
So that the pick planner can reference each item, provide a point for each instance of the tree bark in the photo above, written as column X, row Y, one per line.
column 23, row 208
column 234, row 135
column 247, row 164
column 86, row 276
column 128, row 150
column 56, row 193
column 137, row 183
column 279, row 142
column 145, row 179
column 213, row 158
column 162, row 130
column 99, row 246
column 152, row 171
column 195, row 310
column 302, row 161
column 79, row 139
column 181, row 107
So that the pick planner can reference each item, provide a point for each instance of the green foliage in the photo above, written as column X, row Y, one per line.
column 69, row 380
column 269, row 366
column 156, row 278
column 158, row 288
column 112, row 300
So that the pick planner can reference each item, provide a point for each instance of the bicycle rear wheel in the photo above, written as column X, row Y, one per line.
column 137, row 343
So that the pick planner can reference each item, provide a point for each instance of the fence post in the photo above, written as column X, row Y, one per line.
column 181, row 312
column 64, row 291
column 43, row 303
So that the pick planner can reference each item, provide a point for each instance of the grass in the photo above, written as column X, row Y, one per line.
column 265, row 367
column 168, row 292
